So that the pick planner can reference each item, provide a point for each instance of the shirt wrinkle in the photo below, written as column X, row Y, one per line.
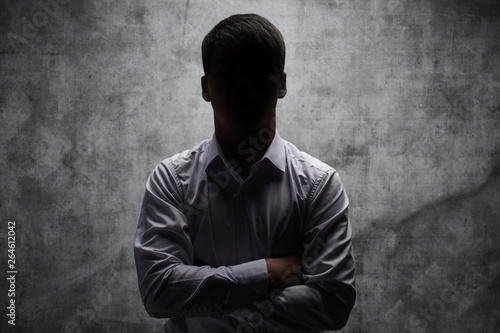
column 314, row 188
column 176, row 178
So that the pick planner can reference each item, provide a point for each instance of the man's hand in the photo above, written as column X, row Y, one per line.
column 284, row 272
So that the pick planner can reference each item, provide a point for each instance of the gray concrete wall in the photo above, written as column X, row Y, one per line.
column 401, row 96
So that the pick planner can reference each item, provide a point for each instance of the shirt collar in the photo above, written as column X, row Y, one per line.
column 275, row 154
column 213, row 154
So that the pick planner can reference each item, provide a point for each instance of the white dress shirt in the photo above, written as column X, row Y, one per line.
column 204, row 233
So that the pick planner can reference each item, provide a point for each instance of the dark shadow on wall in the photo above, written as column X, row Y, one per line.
column 439, row 267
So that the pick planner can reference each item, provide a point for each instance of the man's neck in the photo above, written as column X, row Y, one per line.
column 244, row 148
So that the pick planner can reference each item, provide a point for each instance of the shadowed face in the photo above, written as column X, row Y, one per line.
column 243, row 86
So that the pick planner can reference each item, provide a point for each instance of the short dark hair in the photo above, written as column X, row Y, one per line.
column 244, row 30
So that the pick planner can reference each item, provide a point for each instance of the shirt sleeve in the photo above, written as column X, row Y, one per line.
column 325, row 300
column 170, row 285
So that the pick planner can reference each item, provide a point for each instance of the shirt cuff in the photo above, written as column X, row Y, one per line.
column 252, row 275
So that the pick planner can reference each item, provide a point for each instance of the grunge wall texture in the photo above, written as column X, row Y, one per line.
column 402, row 97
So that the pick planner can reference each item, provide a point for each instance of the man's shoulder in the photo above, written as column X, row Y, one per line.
column 182, row 165
column 188, row 156
column 300, row 159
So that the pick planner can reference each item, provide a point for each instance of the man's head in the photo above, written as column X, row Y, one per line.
column 244, row 30
column 243, row 60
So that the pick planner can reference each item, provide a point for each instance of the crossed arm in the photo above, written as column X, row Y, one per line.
column 313, row 292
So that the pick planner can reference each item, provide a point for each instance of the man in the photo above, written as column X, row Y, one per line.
column 244, row 232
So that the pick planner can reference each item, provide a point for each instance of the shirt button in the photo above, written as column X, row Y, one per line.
column 241, row 225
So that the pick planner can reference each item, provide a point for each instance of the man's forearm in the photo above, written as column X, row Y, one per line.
column 297, row 308
column 190, row 291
